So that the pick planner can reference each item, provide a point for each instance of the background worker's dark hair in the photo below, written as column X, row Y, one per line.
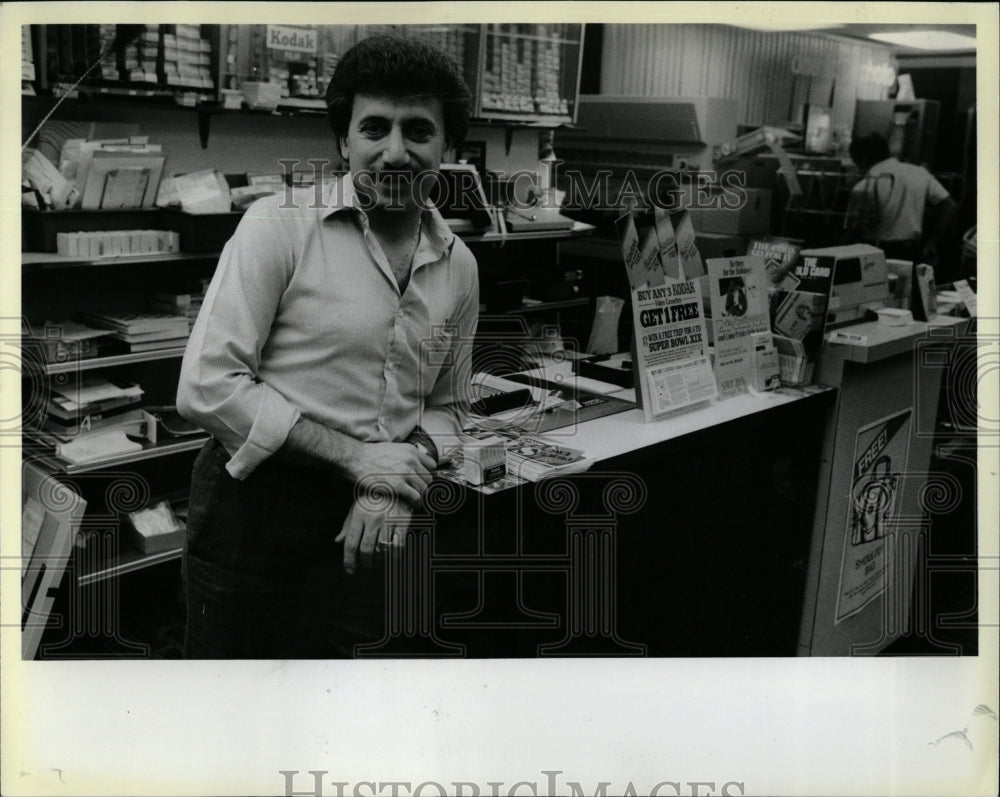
column 869, row 150
column 385, row 65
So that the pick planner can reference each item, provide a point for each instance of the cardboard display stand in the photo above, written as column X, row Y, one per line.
column 738, row 290
column 670, row 347
column 51, row 514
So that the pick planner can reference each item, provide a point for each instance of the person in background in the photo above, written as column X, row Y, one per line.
column 898, row 194
column 329, row 360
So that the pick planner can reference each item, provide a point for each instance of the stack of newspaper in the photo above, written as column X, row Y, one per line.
column 535, row 457
column 185, row 304
column 92, row 418
column 143, row 330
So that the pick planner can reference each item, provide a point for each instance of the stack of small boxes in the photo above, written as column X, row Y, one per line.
column 229, row 82
column 264, row 86
column 507, row 79
column 484, row 461
column 522, row 72
column 278, row 75
column 305, row 84
column 548, row 67
column 141, row 59
column 185, row 304
column 187, row 58
column 27, row 61
column 326, row 67
column 109, row 63
column 117, row 243
column 229, row 46
column 258, row 53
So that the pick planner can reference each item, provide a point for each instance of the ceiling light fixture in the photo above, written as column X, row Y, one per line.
column 927, row 39
column 777, row 27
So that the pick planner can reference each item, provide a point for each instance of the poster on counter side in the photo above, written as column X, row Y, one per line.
column 738, row 292
column 671, row 362
column 881, row 450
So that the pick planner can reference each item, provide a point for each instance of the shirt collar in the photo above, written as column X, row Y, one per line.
column 889, row 160
column 341, row 195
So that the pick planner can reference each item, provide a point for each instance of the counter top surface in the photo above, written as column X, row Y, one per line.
column 614, row 435
column 887, row 341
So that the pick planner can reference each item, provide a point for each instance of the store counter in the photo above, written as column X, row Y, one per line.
column 686, row 537
column 779, row 524
column 876, row 491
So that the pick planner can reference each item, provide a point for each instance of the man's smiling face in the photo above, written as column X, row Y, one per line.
column 390, row 140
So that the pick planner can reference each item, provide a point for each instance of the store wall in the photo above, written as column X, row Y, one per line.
column 754, row 68
column 244, row 142
column 955, row 88
column 240, row 142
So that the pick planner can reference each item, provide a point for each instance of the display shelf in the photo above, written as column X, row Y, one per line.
column 127, row 561
column 302, row 104
column 578, row 229
column 134, row 95
column 73, row 366
column 541, row 307
column 519, row 120
column 529, row 73
column 53, row 260
column 535, row 37
column 540, row 63
column 157, row 95
column 149, row 451
column 47, row 260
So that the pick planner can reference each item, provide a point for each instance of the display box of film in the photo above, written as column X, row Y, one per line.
column 484, row 461
column 117, row 243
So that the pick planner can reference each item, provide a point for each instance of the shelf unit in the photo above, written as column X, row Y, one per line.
column 578, row 229
column 529, row 72
column 51, row 285
column 127, row 561
column 149, row 451
column 51, row 260
column 38, row 448
column 518, row 73
column 73, row 366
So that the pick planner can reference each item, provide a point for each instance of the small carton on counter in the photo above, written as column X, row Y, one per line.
column 484, row 461
column 767, row 371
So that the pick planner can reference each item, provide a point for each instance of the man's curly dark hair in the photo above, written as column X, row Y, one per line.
column 386, row 65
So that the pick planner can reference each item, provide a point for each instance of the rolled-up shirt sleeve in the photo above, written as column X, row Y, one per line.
column 447, row 404
column 218, row 387
column 936, row 192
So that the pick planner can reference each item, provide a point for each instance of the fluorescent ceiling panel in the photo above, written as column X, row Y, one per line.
column 927, row 39
column 788, row 26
